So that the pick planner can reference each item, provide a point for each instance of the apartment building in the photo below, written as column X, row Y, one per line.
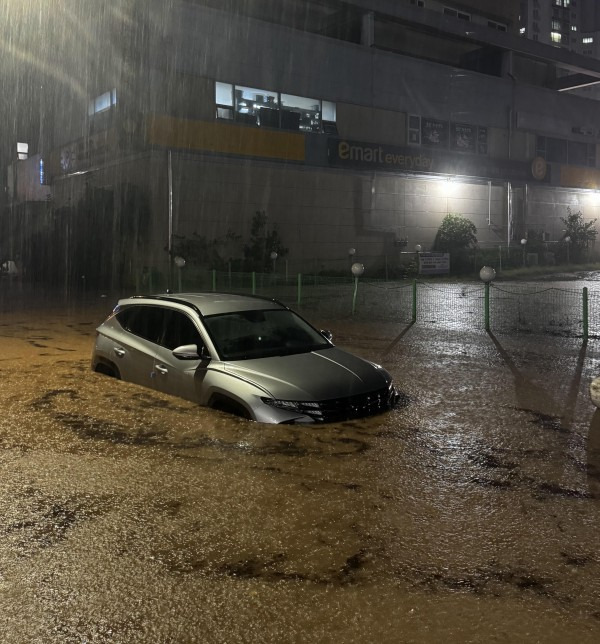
column 348, row 123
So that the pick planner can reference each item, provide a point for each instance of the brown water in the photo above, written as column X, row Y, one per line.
column 468, row 514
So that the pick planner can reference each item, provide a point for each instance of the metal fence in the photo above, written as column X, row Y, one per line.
column 506, row 307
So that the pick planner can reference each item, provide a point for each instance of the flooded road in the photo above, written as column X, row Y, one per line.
column 471, row 513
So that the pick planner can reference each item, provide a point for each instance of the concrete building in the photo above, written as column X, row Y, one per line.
column 346, row 123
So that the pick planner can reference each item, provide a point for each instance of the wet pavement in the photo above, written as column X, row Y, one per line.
column 471, row 513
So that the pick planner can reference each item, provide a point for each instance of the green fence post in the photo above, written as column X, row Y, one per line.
column 585, row 314
column 253, row 283
column 414, row 301
column 299, row 288
column 486, row 305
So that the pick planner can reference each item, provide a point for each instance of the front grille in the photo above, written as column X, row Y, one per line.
column 339, row 409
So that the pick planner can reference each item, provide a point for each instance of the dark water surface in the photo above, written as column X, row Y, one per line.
column 468, row 514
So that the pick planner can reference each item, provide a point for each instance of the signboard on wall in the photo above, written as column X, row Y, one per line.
column 434, row 263
column 434, row 133
column 369, row 156
column 462, row 137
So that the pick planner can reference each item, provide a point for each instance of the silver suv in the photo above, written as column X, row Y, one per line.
column 249, row 356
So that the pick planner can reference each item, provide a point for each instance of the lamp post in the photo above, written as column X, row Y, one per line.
column 486, row 275
column 180, row 263
column 568, row 243
column 357, row 270
column 524, row 244
column 273, row 259
column 351, row 253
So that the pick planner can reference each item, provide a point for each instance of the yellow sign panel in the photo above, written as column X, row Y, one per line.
column 226, row 138
column 577, row 177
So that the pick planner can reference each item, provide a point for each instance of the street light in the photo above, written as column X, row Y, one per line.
column 568, row 243
column 274, row 259
column 524, row 243
column 357, row 270
column 487, row 274
column 180, row 263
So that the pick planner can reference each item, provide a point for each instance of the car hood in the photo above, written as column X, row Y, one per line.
column 319, row 375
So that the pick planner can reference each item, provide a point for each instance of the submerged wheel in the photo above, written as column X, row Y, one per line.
column 108, row 370
column 229, row 406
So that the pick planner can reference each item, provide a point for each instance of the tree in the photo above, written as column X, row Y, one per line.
column 456, row 234
column 263, row 242
column 578, row 233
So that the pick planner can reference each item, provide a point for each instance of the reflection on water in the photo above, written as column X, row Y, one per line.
column 470, row 513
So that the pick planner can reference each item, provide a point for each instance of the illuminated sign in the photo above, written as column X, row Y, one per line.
column 342, row 152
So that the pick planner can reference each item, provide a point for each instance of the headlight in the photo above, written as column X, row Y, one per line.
column 288, row 405
column 301, row 407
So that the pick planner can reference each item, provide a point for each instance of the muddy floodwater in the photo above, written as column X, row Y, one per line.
column 471, row 513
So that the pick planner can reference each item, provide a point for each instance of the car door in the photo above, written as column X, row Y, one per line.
column 175, row 376
column 134, row 348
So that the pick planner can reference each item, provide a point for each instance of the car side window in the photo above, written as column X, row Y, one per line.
column 144, row 321
column 179, row 330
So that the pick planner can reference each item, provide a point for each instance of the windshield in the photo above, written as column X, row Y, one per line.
column 259, row 334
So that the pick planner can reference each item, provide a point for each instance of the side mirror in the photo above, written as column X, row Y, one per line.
column 327, row 334
column 191, row 352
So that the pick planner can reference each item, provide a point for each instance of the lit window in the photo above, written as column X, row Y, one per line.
column 556, row 26
column 329, row 112
column 22, row 151
column 256, row 106
column 298, row 112
column 103, row 102
column 271, row 109
column 555, row 37
column 587, row 40
column 224, row 94
column 522, row 31
column 573, row 27
column 224, row 100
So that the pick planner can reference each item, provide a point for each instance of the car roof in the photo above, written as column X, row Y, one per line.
column 207, row 303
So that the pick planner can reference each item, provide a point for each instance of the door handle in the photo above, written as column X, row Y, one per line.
column 161, row 369
column 120, row 352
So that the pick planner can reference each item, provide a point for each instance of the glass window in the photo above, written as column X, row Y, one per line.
column 145, row 321
column 555, row 37
column 299, row 112
column 103, row 102
column 329, row 112
column 587, row 40
column 179, row 330
column 271, row 109
column 224, row 94
column 578, row 153
column 556, row 150
column 260, row 334
column 249, row 101
column 22, row 151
